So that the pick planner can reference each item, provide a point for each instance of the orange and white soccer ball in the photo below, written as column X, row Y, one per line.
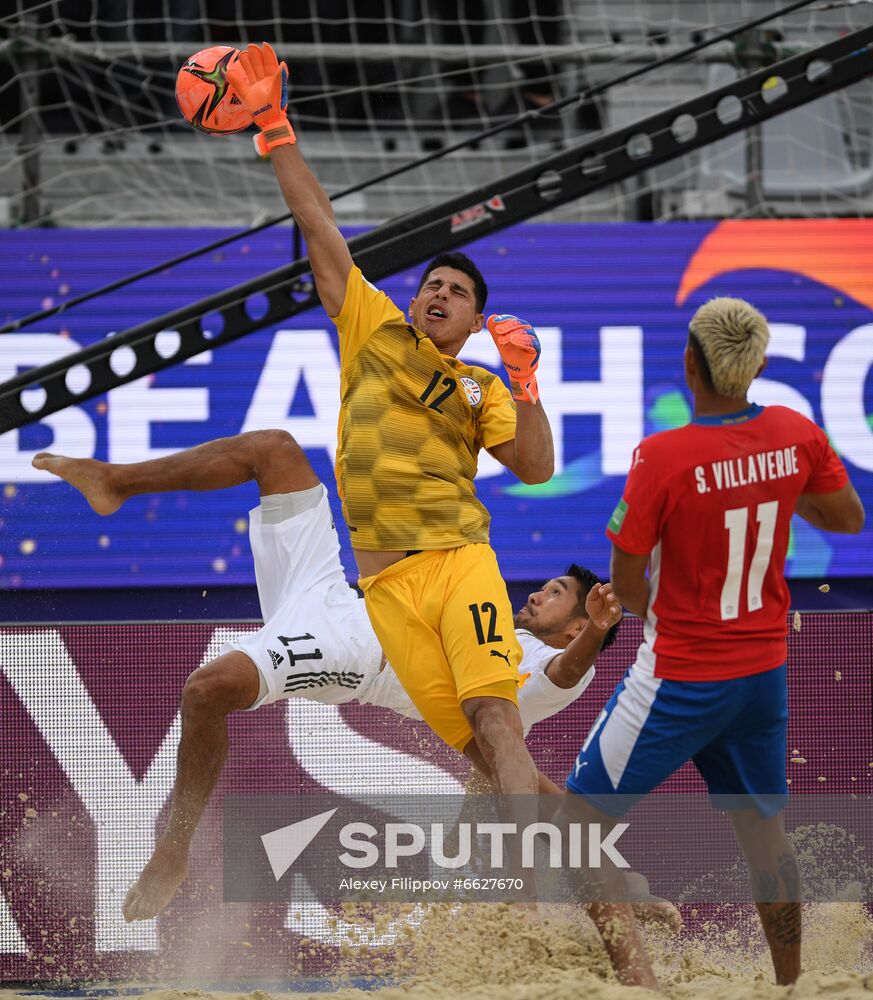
column 205, row 98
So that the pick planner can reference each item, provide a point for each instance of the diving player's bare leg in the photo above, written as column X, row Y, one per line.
column 211, row 693
column 272, row 458
column 277, row 464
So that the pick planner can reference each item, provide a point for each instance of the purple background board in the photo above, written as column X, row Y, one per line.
column 88, row 744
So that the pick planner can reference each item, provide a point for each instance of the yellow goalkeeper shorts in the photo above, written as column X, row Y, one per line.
column 445, row 623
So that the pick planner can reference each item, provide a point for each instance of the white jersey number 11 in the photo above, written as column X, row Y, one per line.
column 736, row 522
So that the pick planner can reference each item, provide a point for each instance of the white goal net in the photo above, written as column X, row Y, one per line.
column 90, row 134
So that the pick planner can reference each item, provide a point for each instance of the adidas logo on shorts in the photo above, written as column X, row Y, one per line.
column 277, row 658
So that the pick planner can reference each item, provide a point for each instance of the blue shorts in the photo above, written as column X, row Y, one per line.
column 735, row 731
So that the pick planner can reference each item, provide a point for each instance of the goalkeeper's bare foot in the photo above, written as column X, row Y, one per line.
column 88, row 476
column 166, row 870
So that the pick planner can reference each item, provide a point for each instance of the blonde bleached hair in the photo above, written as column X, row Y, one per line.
column 733, row 337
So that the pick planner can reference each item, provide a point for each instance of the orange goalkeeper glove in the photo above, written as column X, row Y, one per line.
column 519, row 349
column 261, row 82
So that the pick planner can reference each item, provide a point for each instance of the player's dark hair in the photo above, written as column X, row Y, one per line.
column 460, row 262
column 700, row 358
column 586, row 580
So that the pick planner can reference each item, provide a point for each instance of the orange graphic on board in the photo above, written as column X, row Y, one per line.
column 834, row 252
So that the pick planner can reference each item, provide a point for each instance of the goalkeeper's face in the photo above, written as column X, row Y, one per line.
column 445, row 309
column 553, row 612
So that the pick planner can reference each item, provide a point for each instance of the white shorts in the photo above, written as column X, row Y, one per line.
column 317, row 641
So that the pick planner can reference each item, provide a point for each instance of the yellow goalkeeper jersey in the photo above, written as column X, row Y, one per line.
column 411, row 424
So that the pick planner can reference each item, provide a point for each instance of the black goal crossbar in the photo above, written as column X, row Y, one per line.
column 414, row 238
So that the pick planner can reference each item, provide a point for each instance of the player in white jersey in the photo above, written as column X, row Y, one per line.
column 317, row 641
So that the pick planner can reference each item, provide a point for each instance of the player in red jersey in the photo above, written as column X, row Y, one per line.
column 707, row 509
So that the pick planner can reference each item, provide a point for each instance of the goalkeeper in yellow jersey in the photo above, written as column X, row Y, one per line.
column 412, row 421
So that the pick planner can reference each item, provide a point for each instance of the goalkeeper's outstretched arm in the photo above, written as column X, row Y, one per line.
column 261, row 82
column 328, row 253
